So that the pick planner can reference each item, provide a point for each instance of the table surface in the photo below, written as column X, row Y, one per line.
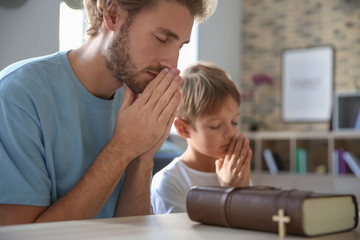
column 171, row 226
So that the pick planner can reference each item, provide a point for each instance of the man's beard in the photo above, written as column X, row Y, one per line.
column 119, row 61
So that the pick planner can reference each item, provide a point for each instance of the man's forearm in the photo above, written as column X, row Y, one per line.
column 90, row 194
column 134, row 198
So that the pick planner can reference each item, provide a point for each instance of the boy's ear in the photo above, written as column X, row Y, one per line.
column 182, row 127
column 114, row 16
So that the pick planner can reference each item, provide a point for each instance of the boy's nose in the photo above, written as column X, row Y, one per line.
column 230, row 131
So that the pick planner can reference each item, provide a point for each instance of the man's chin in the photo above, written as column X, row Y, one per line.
column 135, row 88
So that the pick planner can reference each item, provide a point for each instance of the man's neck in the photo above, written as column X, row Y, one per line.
column 89, row 66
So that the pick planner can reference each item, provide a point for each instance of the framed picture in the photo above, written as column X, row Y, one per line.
column 307, row 84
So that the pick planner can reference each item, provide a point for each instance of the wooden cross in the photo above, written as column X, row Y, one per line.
column 282, row 220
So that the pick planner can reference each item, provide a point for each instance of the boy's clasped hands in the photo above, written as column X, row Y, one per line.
column 234, row 168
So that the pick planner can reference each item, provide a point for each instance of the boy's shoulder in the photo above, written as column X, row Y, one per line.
column 172, row 168
column 175, row 171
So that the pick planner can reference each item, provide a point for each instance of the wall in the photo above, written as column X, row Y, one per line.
column 28, row 31
column 220, row 38
column 270, row 26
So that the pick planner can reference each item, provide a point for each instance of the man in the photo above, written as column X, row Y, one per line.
column 67, row 149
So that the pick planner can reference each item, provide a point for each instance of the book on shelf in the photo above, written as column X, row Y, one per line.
column 335, row 162
column 270, row 161
column 257, row 208
column 343, row 167
column 352, row 162
column 357, row 119
column 300, row 158
column 273, row 161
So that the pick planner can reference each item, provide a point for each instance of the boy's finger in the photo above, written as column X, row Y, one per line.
column 217, row 165
column 247, row 159
column 231, row 148
column 238, row 151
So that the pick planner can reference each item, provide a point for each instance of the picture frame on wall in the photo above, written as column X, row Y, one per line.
column 307, row 84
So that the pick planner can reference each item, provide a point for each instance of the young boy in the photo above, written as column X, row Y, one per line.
column 216, row 155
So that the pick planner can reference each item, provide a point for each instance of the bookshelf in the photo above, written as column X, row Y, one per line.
column 321, row 172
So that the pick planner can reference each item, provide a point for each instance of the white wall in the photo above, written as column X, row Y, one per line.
column 29, row 31
column 220, row 38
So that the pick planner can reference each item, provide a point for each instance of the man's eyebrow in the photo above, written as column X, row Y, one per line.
column 171, row 34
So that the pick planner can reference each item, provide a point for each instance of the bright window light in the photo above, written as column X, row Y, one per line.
column 71, row 29
column 189, row 52
column 188, row 55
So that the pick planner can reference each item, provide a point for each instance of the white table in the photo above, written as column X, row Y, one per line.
column 159, row 227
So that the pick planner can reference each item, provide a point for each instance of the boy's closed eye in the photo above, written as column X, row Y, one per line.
column 215, row 127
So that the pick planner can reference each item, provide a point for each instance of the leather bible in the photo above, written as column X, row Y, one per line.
column 257, row 208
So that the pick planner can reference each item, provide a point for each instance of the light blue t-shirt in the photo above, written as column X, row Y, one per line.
column 51, row 131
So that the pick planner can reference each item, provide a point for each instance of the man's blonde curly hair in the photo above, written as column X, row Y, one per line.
column 200, row 9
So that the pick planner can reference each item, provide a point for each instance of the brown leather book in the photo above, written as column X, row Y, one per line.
column 257, row 208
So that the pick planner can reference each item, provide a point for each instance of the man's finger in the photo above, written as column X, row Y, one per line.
column 129, row 98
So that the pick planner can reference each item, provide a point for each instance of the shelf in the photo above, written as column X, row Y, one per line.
column 317, row 148
column 309, row 182
column 316, row 154
column 322, row 168
column 280, row 149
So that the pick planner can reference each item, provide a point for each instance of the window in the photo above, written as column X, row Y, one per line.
column 189, row 52
column 72, row 27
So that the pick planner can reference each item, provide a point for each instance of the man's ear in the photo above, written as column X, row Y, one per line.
column 114, row 16
column 182, row 127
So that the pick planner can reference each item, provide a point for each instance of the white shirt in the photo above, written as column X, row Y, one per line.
column 170, row 186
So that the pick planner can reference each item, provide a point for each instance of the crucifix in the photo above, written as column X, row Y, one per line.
column 282, row 220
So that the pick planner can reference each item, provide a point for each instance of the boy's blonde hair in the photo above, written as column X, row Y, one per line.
column 204, row 88
column 200, row 9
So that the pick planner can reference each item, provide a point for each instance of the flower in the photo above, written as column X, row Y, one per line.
column 262, row 79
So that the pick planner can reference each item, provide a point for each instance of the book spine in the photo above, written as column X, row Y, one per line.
column 335, row 162
column 270, row 161
column 303, row 161
column 357, row 121
column 343, row 168
column 353, row 163
column 297, row 161
column 254, row 208
column 300, row 159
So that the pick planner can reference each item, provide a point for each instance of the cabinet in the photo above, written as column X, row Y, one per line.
column 322, row 170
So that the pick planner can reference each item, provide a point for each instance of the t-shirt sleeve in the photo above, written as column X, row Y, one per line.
column 23, row 175
column 167, row 195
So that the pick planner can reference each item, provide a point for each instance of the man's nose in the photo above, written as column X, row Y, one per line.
column 170, row 58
